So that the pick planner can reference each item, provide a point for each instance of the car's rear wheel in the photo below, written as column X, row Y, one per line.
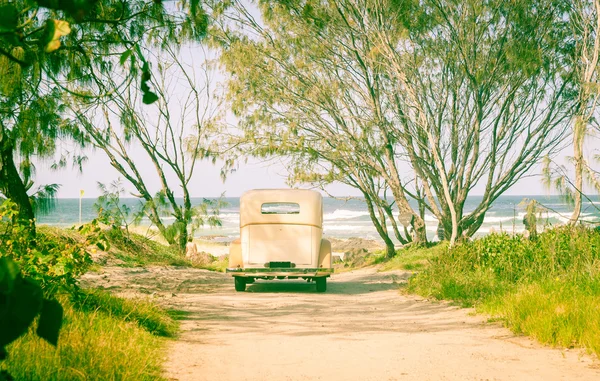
column 321, row 284
column 240, row 283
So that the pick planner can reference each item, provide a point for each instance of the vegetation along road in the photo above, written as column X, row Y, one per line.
column 361, row 329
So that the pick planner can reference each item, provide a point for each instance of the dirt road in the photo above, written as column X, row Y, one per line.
column 361, row 329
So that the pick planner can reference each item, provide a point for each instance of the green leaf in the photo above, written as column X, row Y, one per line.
column 149, row 97
column 100, row 246
column 9, row 18
column 8, row 274
column 126, row 54
column 23, row 305
column 51, row 316
column 146, row 72
column 55, row 29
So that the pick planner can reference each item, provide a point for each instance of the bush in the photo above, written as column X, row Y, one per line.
column 548, row 287
column 55, row 263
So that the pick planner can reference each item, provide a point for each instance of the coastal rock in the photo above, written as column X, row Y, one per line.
column 355, row 257
column 354, row 243
column 353, row 254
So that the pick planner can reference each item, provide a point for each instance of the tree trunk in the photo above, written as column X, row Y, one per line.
column 12, row 185
column 183, row 236
column 390, row 250
column 578, row 135
column 471, row 226
column 418, row 224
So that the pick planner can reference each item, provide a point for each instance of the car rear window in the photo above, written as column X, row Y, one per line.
column 280, row 208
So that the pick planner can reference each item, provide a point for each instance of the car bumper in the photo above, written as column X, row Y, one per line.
column 299, row 272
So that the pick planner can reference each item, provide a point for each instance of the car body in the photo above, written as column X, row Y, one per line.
column 281, row 236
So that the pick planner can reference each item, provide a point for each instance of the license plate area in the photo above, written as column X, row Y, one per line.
column 281, row 265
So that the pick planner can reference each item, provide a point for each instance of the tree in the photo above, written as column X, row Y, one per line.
column 584, row 17
column 30, row 124
column 431, row 98
column 175, row 133
column 46, row 47
column 480, row 102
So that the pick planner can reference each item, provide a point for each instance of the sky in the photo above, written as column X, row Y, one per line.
column 207, row 181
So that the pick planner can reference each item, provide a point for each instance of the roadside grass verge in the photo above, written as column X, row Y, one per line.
column 218, row 265
column 412, row 258
column 135, row 250
column 145, row 314
column 548, row 288
column 556, row 312
column 102, row 338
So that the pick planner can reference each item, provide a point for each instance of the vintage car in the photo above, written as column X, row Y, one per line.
column 281, row 237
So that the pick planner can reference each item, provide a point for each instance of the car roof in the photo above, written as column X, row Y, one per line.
column 310, row 202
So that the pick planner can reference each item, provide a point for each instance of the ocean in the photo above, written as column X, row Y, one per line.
column 346, row 219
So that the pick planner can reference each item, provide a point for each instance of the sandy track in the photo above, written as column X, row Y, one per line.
column 361, row 329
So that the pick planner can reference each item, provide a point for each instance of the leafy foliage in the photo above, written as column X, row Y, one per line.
column 43, row 199
column 110, row 209
column 52, row 48
column 533, row 212
column 34, row 265
column 501, row 261
column 21, row 301
column 460, row 92
column 548, row 287
column 54, row 264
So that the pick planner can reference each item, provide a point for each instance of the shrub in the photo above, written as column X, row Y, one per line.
column 547, row 287
column 54, row 263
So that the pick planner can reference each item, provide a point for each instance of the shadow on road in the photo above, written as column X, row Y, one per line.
column 357, row 285
column 354, row 302
column 357, row 301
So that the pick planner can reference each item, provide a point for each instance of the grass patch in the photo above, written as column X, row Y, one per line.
column 93, row 345
column 548, row 288
column 136, row 250
column 145, row 314
column 412, row 258
column 556, row 312
column 60, row 235
column 218, row 265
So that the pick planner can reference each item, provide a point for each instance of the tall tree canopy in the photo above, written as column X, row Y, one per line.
column 49, row 48
column 420, row 100
column 171, row 137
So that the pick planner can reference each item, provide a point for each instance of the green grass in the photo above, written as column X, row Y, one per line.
column 219, row 265
column 557, row 312
column 113, row 341
column 145, row 314
column 412, row 258
column 547, row 288
column 136, row 250
column 60, row 234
